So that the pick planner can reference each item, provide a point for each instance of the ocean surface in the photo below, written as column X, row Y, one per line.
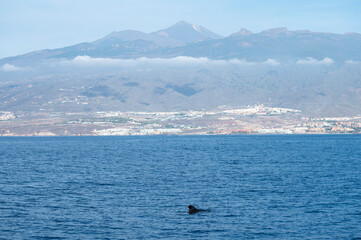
column 257, row 187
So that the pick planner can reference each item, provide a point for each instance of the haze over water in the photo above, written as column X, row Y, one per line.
column 258, row 187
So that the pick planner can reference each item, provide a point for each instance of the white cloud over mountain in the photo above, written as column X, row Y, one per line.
column 313, row 61
column 180, row 61
column 176, row 61
column 11, row 68
column 352, row 62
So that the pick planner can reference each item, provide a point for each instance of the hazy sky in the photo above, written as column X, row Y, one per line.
column 38, row 24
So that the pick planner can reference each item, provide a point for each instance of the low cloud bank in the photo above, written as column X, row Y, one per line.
column 352, row 62
column 313, row 61
column 180, row 61
column 271, row 62
column 176, row 61
column 10, row 68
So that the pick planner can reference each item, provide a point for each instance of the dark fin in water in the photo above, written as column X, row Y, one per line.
column 193, row 209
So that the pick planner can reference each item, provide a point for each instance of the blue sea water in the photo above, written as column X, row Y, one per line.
column 257, row 187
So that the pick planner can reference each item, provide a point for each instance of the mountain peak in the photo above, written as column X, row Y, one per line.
column 182, row 22
column 275, row 31
column 242, row 32
column 187, row 32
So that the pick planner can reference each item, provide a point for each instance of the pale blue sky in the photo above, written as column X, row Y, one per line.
column 38, row 24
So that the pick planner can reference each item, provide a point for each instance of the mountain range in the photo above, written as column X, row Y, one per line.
column 185, row 39
column 187, row 66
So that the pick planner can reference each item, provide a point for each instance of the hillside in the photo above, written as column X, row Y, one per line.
column 189, row 67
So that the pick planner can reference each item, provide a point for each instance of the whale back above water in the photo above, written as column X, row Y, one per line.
column 193, row 209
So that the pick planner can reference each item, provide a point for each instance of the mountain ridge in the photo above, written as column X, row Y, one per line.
column 182, row 38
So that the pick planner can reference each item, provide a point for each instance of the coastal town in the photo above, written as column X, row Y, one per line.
column 223, row 120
